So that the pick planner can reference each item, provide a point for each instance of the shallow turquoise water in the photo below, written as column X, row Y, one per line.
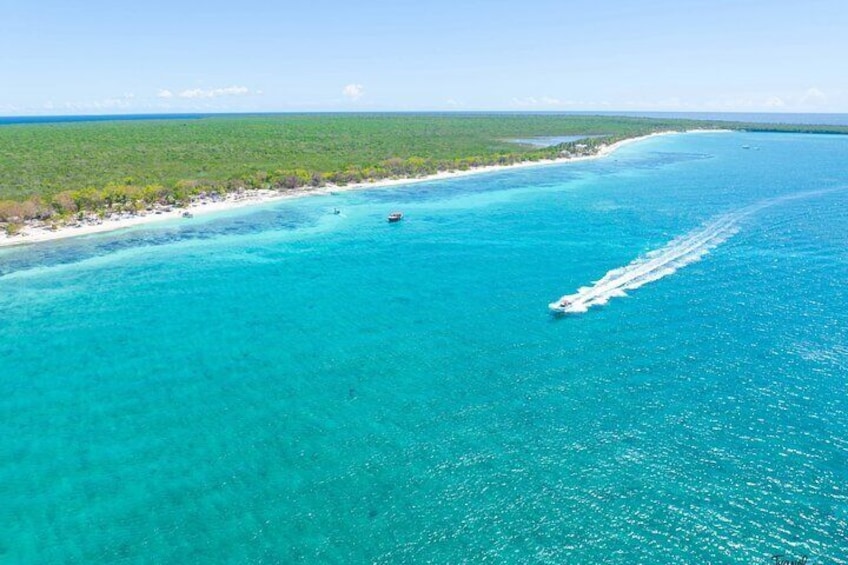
column 285, row 385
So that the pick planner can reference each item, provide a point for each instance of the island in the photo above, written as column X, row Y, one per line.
column 62, row 178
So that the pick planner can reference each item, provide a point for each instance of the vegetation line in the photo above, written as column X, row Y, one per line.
column 61, row 173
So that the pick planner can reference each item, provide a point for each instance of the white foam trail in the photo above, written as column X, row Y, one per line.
column 665, row 261
column 653, row 266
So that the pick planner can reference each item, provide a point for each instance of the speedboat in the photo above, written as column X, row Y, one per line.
column 561, row 306
column 395, row 217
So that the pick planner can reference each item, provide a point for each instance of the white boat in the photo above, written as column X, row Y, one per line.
column 561, row 306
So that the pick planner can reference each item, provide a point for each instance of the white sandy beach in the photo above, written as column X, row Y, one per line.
column 30, row 234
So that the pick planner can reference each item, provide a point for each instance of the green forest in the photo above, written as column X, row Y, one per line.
column 52, row 171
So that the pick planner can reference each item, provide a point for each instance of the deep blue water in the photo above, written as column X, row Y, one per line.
column 758, row 117
column 761, row 117
column 282, row 385
column 9, row 120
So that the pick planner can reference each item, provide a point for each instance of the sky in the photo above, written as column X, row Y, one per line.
column 157, row 56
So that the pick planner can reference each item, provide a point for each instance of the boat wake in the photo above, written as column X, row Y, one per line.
column 655, row 265
column 665, row 261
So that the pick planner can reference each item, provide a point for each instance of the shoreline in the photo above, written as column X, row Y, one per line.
column 31, row 234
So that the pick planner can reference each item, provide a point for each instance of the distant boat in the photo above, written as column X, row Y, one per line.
column 746, row 147
column 395, row 217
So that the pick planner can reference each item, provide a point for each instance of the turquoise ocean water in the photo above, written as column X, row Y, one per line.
column 282, row 385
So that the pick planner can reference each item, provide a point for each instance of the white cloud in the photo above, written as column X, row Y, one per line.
column 110, row 103
column 730, row 104
column 774, row 102
column 353, row 91
column 210, row 93
column 540, row 102
column 528, row 101
column 195, row 93
column 672, row 102
column 215, row 92
column 125, row 102
column 813, row 97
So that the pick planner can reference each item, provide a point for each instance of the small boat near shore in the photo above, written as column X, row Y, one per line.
column 395, row 217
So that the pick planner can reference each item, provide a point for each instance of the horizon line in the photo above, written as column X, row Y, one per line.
column 624, row 112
